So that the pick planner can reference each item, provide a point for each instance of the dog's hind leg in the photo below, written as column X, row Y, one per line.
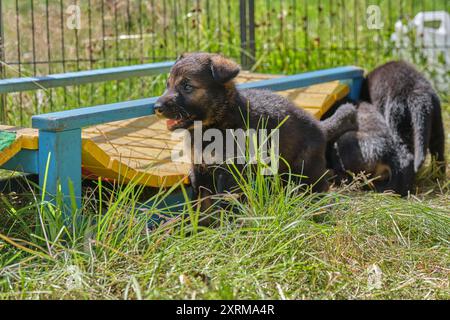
column 317, row 172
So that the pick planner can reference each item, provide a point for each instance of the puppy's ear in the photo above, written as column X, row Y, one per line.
column 223, row 69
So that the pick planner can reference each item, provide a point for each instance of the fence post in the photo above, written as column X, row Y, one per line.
column 247, row 30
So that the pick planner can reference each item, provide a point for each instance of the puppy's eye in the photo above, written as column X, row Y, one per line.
column 188, row 88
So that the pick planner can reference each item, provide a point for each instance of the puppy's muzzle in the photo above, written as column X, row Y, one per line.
column 158, row 108
column 164, row 104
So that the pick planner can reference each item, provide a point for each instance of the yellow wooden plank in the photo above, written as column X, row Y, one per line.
column 113, row 137
column 156, row 165
column 136, row 152
column 292, row 94
column 162, row 138
column 92, row 152
column 29, row 137
column 149, row 179
column 312, row 100
column 341, row 91
column 97, row 161
column 316, row 99
column 26, row 138
column 30, row 143
column 138, row 142
column 145, row 128
column 338, row 93
column 326, row 87
column 245, row 76
column 317, row 113
column 9, row 152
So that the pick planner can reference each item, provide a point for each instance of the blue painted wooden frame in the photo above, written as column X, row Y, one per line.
column 352, row 73
column 60, row 165
column 60, row 132
column 25, row 161
column 83, row 77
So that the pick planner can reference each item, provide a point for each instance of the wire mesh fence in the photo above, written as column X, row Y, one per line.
column 40, row 37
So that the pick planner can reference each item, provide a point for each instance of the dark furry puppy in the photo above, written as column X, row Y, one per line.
column 411, row 109
column 201, row 88
column 402, row 121
column 372, row 150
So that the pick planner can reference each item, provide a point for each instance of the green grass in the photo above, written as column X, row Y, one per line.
column 294, row 246
column 282, row 243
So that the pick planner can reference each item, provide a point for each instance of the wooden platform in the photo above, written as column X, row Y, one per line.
column 133, row 149
column 140, row 149
column 316, row 99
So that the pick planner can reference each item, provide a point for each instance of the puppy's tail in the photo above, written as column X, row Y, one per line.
column 428, row 130
column 437, row 139
column 343, row 120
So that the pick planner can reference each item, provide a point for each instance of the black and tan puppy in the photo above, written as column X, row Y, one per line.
column 372, row 150
column 395, row 130
column 200, row 88
column 411, row 110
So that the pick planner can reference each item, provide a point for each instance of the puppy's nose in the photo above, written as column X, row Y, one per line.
column 158, row 108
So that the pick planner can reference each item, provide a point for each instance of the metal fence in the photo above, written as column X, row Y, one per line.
column 39, row 37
